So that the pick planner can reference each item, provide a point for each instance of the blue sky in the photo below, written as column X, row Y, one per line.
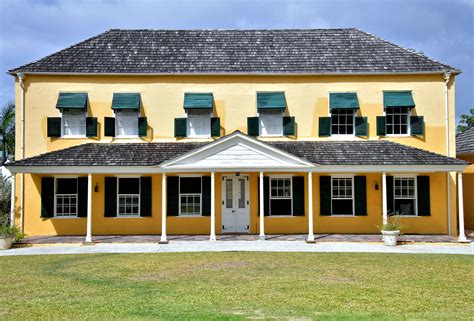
column 443, row 30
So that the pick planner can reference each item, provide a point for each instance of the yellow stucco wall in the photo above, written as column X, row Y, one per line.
column 468, row 192
column 35, row 225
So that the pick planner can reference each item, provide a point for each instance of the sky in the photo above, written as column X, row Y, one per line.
column 441, row 29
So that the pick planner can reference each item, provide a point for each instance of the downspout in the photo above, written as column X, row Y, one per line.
column 447, row 77
column 21, row 78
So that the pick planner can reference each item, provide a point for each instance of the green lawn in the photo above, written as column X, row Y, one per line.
column 237, row 286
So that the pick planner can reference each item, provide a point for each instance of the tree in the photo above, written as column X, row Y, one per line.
column 7, row 130
column 465, row 122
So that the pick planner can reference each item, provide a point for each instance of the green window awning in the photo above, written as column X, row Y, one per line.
column 72, row 100
column 126, row 101
column 198, row 101
column 271, row 100
column 343, row 101
column 398, row 99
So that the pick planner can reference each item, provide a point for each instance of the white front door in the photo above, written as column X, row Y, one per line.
column 235, row 204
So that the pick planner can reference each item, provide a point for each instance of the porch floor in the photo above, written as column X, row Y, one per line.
column 358, row 238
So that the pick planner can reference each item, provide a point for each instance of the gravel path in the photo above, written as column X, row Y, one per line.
column 244, row 246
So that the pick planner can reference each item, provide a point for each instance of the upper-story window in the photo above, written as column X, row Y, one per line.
column 73, row 107
column 343, row 108
column 397, row 120
column 199, row 121
column 271, row 122
column 127, row 122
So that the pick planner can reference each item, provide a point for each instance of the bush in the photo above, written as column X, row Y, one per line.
column 393, row 223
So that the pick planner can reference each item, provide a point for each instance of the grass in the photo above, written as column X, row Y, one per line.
column 235, row 286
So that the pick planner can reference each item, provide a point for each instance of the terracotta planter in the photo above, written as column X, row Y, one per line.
column 390, row 238
column 6, row 242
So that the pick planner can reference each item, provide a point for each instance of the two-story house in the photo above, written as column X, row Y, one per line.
column 235, row 131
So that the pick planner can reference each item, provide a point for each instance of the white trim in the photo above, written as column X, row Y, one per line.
column 408, row 134
column 116, row 112
column 118, row 198
column 282, row 114
column 89, row 209
column 164, row 214
column 189, row 194
column 462, row 233
column 261, row 236
column 73, row 136
column 55, row 194
column 352, row 197
column 272, row 177
column 415, row 186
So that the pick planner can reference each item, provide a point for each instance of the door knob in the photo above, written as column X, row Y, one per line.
column 233, row 211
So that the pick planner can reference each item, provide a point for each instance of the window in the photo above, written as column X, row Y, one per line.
column 271, row 122
column 66, row 197
column 73, row 123
column 199, row 123
column 397, row 120
column 128, row 198
column 280, row 196
column 342, row 196
column 404, row 195
column 126, row 123
column 342, row 121
column 190, row 196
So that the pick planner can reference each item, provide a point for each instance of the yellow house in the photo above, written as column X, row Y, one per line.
column 465, row 151
column 235, row 131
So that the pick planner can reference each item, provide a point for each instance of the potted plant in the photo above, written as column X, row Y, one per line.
column 391, row 230
column 7, row 235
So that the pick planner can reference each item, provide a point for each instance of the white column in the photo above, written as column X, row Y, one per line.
column 12, row 204
column 262, row 227
column 89, row 209
column 462, row 235
column 310, row 208
column 164, row 237
column 384, row 198
column 213, row 208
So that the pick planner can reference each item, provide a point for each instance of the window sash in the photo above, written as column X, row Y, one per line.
column 397, row 121
column 65, row 205
column 73, row 123
column 280, row 188
column 404, row 188
column 126, row 123
column 342, row 122
column 271, row 122
column 190, row 204
column 199, row 123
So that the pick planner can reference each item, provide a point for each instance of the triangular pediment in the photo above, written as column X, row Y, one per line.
column 236, row 151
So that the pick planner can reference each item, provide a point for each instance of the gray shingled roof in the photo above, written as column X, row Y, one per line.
column 322, row 152
column 465, row 142
column 290, row 51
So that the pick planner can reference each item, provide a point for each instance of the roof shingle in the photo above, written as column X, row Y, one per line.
column 465, row 142
column 288, row 51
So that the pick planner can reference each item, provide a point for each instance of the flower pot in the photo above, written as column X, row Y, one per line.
column 390, row 237
column 6, row 242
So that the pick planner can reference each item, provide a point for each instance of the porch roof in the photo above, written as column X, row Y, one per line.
column 318, row 153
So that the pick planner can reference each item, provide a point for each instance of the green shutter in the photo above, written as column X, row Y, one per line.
column 361, row 126
column 110, row 197
column 360, row 195
column 215, row 126
column 289, row 126
column 72, row 101
column 343, row 101
column 417, row 125
column 180, row 127
column 271, row 100
column 325, row 195
column 198, row 101
column 145, row 196
column 47, row 197
column 389, row 194
column 172, row 196
column 91, row 127
column 253, row 126
column 142, row 126
column 423, row 192
column 54, row 126
column 126, row 101
column 381, row 126
column 82, row 197
column 266, row 196
column 298, row 196
column 206, row 195
column 398, row 99
column 109, row 126
column 324, row 126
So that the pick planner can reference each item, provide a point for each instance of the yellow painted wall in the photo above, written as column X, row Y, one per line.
column 468, row 192
column 35, row 225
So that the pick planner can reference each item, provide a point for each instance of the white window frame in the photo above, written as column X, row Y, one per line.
column 415, row 186
column 408, row 134
column 63, row 135
column 116, row 113
column 189, row 194
column 352, row 197
column 282, row 114
column 276, row 177
column 188, row 127
column 126, row 195
column 353, row 125
column 55, row 196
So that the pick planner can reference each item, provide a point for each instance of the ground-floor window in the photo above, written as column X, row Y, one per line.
column 280, row 196
column 342, row 196
column 404, row 195
column 66, row 197
column 128, row 196
column 190, row 200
